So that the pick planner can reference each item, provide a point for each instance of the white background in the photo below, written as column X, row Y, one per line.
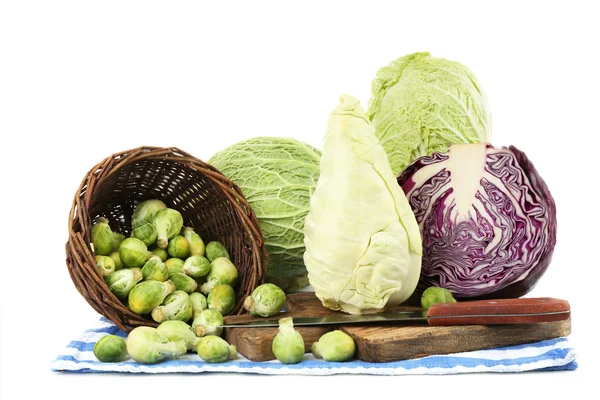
column 81, row 80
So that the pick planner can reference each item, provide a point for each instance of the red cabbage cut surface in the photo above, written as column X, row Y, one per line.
column 487, row 219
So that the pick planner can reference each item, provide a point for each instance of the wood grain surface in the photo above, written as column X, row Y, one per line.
column 376, row 342
column 393, row 343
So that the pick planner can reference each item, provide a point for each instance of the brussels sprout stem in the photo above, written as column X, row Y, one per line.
column 286, row 325
column 137, row 274
column 200, row 331
column 170, row 287
column 249, row 303
column 158, row 314
column 163, row 243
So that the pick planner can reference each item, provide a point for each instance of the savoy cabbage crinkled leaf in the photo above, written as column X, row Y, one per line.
column 363, row 247
column 277, row 177
column 422, row 104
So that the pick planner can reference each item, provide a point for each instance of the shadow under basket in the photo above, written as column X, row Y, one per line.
column 208, row 201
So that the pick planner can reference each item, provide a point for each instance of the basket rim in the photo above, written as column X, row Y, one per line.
column 81, row 238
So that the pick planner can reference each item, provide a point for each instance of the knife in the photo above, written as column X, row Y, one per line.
column 476, row 312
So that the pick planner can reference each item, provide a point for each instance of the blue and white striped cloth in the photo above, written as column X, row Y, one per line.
column 547, row 355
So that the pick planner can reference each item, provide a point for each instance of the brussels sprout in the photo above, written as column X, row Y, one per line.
column 433, row 295
column 222, row 272
column 102, row 237
column 174, row 265
column 147, row 295
column 183, row 282
column 176, row 306
column 334, row 346
column 117, row 240
column 222, row 298
column 144, row 230
column 215, row 250
column 197, row 247
column 117, row 260
column 196, row 266
column 122, row 281
column 133, row 252
column 208, row 322
column 266, row 300
column 105, row 265
column 155, row 270
column 110, row 348
column 175, row 330
column 178, row 247
column 199, row 303
column 146, row 346
column 162, row 253
column 146, row 209
column 214, row 349
column 168, row 223
column 288, row 345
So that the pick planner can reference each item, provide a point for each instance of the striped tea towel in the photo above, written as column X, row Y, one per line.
column 547, row 355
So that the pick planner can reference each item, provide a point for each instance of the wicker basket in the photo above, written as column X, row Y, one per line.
column 208, row 201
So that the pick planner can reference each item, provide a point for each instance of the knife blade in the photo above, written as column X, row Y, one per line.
column 477, row 312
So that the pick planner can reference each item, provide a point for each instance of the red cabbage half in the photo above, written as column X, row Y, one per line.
column 487, row 219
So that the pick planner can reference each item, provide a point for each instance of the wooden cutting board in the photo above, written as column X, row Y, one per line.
column 377, row 342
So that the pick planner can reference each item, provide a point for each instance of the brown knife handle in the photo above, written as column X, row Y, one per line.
column 499, row 311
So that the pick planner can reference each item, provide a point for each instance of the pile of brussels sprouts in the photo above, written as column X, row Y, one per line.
column 165, row 271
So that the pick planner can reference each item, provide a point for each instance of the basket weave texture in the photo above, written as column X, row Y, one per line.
column 208, row 201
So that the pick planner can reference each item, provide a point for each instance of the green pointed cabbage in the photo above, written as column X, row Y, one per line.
column 277, row 177
column 421, row 104
column 363, row 246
